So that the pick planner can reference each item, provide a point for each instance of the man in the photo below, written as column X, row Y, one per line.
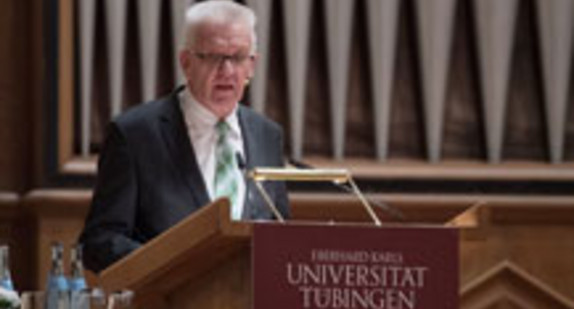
column 163, row 160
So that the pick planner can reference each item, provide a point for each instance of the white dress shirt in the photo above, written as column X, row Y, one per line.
column 200, row 123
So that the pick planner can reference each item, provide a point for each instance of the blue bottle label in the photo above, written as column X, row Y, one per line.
column 7, row 284
column 77, row 284
column 57, row 283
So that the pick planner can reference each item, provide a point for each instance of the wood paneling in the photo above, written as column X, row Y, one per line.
column 15, row 96
column 21, row 91
column 56, row 215
column 16, row 233
column 519, row 250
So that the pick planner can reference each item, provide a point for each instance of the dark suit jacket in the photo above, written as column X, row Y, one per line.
column 148, row 178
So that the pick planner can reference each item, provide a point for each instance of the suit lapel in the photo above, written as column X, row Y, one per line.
column 250, row 141
column 175, row 135
column 251, row 144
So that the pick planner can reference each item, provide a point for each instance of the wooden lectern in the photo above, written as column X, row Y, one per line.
column 202, row 262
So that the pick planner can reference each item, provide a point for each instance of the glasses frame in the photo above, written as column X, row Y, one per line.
column 217, row 59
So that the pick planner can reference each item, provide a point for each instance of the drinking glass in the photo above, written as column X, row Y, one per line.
column 120, row 300
column 88, row 299
column 33, row 300
column 94, row 298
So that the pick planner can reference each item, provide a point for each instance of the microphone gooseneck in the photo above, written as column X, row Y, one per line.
column 299, row 164
column 392, row 211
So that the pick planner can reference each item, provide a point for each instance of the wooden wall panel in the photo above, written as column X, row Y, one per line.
column 56, row 215
column 463, row 119
column 17, row 234
column 15, row 112
column 520, row 251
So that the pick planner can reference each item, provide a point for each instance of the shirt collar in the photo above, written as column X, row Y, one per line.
column 198, row 117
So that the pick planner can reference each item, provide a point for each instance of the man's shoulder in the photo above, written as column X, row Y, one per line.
column 251, row 116
column 146, row 113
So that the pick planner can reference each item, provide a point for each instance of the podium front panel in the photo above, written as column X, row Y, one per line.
column 334, row 266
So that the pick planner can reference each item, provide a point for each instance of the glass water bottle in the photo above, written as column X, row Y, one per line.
column 57, row 286
column 5, row 277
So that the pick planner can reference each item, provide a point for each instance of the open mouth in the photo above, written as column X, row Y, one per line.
column 224, row 87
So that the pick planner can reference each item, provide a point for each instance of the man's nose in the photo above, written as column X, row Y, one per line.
column 226, row 66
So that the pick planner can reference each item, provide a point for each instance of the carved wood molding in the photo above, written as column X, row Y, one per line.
column 502, row 209
column 507, row 285
column 57, row 202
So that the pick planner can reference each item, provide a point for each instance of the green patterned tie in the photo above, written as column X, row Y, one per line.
column 225, row 182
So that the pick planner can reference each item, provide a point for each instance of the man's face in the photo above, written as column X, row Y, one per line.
column 218, row 65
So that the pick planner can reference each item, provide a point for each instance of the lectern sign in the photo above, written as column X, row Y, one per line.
column 334, row 266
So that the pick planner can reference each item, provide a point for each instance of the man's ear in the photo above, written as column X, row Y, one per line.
column 184, row 59
column 253, row 61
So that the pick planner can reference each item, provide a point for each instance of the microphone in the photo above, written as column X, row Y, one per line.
column 240, row 162
column 243, row 170
column 392, row 211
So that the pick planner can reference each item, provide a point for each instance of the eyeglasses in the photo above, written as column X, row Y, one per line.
column 213, row 59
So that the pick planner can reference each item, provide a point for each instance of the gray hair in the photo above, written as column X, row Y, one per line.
column 219, row 11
